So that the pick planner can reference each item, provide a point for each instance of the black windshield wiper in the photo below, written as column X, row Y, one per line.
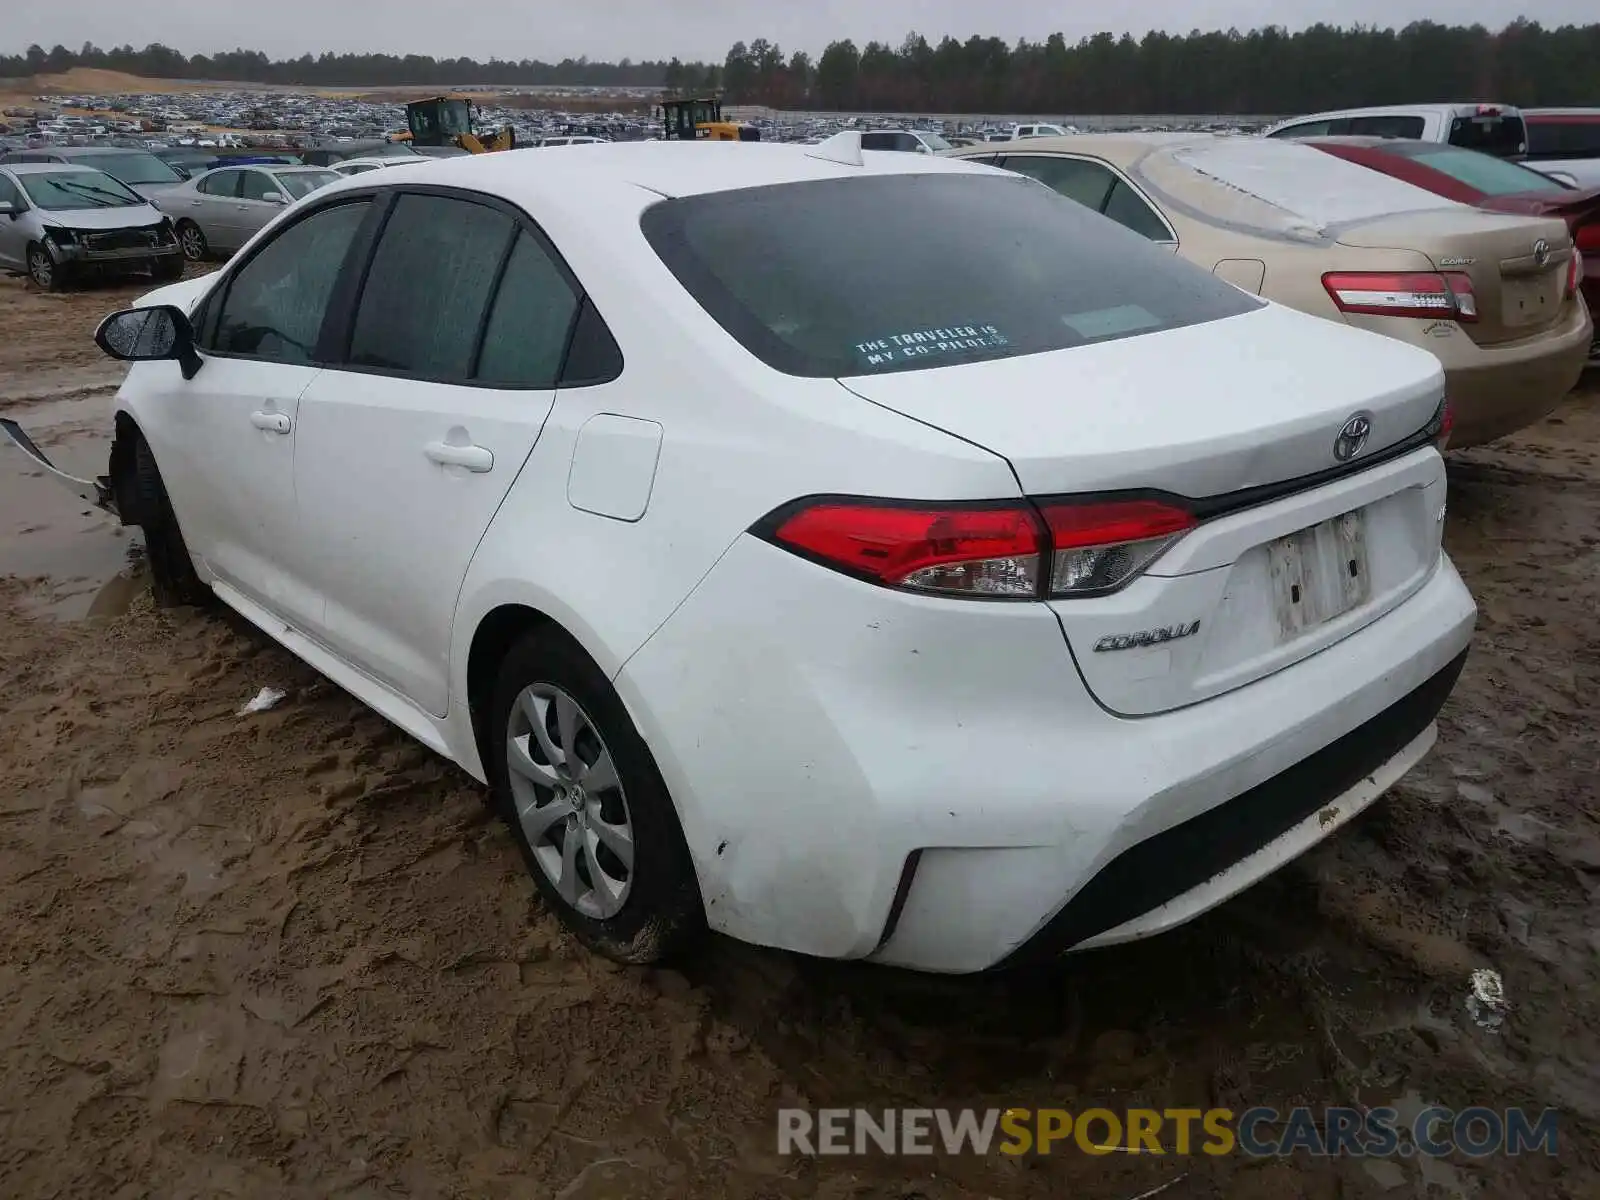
column 122, row 200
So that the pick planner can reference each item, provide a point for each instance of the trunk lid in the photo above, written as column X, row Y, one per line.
column 1200, row 411
column 1203, row 412
column 1519, row 291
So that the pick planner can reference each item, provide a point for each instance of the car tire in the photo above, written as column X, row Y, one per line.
column 173, row 579
column 646, row 906
column 47, row 274
column 168, row 268
column 192, row 240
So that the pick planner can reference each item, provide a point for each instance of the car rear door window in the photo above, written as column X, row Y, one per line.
column 276, row 303
column 220, row 183
column 530, row 321
column 1086, row 182
column 1388, row 125
column 424, row 299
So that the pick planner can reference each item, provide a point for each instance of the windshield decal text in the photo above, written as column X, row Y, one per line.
column 919, row 343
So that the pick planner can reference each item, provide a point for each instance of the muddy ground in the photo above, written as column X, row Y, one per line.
column 288, row 954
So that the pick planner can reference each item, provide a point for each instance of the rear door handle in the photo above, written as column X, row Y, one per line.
column 474, row 458
column 272, row 422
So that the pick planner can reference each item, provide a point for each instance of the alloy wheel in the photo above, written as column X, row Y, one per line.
column 194, row 243
column 40, row 268
column 569, row 800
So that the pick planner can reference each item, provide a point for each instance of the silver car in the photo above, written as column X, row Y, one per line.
column 58, row 223
column 220, row 210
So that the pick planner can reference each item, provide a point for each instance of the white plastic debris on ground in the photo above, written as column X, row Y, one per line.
column 1486, row 1002
column 266, row 698
column 1297, row 190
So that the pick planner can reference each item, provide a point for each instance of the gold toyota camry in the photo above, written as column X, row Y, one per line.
column 1494, row 296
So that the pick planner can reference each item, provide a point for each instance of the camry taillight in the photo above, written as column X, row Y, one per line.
column 1007, row 550
column 1405, row 294
column 1588, row 237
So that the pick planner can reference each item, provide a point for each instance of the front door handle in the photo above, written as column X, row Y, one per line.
column 473, row 458
column 272, row 422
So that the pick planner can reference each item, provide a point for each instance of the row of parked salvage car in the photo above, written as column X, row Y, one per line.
column 873, row 555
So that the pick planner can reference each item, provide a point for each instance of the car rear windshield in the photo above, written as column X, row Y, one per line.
column 303, row 183
column 880, row 273
column 1564, row 135
column 1489, row 175
column 62, row 191
column 135, row 166
column 1501, row 136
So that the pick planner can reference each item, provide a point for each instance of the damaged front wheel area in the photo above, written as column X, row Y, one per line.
column 142, row 500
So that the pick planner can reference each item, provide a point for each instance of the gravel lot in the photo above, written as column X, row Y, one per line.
column 289, row 955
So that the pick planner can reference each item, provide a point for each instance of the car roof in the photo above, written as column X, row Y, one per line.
column 91, row 151
column 670, row 169
column 36, row 168
column 1115, row 146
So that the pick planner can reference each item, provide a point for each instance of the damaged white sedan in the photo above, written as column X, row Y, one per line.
column 873, row 555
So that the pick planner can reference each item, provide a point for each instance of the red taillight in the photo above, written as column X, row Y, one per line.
column 989, row 551
column 1098, row 547
column 1588, row 237
column 1413, row 294
column 1446, row 421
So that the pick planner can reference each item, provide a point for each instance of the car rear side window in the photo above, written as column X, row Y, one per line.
column 1386, row 125
column 1499, row 135
column 1086, row 182
column 836, row 277
column 530, row 322
column 276, row 303
column 424, row 299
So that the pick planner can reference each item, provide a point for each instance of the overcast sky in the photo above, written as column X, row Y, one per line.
column 611, row 29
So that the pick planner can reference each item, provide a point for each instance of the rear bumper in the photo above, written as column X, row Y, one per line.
column 1504, row 389
column 866, row 774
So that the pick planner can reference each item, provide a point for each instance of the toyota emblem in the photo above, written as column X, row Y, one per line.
column 1352, row 437
column 1541, row 253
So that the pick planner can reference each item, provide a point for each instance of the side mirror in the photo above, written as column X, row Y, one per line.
column 150, row 335
column 275, row 198
column 8, row 210
column 181, row 172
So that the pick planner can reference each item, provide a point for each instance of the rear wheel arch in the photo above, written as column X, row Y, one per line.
column 498, row 630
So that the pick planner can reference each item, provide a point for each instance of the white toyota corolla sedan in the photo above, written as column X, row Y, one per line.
column 874, row 555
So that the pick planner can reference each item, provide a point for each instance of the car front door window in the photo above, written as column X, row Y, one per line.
column 220, row 184
column 257, row 185
column 275, row 304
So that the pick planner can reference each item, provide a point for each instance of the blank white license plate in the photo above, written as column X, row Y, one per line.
column 1319, row 573
column 1525, row 301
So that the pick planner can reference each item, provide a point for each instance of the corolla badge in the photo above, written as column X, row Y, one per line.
column 1541, row 253
column 1146, row 637
column 1352, row 437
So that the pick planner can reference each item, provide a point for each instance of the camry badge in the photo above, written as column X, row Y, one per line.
column 1541, row 253
column 1352, row 437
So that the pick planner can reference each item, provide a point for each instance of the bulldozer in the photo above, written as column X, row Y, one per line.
column 447, row 121
column 686, row 119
